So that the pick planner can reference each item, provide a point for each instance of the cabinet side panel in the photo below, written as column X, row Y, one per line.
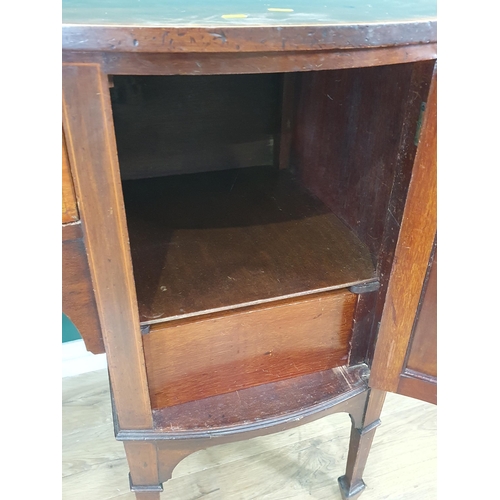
column 413, row 250
column 346, row 142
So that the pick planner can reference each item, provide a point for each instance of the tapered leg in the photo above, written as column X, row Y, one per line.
column 149, row 495
column 143, row 464
column 362, row 433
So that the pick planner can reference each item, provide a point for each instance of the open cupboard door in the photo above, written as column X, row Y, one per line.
column 405, row 359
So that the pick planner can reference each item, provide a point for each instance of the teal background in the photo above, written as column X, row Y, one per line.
column 209, row 12
column 69, row 330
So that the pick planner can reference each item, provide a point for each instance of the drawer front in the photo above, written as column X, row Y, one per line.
column 201, row 357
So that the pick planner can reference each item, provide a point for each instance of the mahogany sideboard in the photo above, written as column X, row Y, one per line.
column 249, row 216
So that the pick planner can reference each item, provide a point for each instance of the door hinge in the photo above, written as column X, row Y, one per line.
column 372, row 286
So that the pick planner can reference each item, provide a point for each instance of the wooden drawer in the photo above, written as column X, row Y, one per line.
column 201, row 357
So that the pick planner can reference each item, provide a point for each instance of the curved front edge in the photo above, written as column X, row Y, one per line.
column 172, row 451
column 176, row 433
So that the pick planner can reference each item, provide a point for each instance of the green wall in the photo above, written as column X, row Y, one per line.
column 69, row 331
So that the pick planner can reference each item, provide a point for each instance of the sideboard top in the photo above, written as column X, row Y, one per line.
column 245, row 25
column 233, row 13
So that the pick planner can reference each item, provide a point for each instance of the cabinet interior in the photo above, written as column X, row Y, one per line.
column 249, row 190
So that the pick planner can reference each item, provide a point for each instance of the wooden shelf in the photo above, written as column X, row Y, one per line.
column 280, row 403
column 214, row 241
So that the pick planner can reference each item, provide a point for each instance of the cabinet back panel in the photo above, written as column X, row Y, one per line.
column 353, row 129
column 185, row 124
column 216, row 354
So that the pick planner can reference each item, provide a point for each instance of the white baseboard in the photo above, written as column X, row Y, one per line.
column 77, row 360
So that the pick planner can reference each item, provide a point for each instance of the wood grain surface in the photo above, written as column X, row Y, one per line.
column 262, row 406
column 419, row 377
column 238, row 349
column 246, row 39
column 69, row 209
column 130, row 63
column 214, row 241
column 78, row 301
column 411, row 260
column 423, row 349
column 297, row 464
column 88, row 128
column 347, row 137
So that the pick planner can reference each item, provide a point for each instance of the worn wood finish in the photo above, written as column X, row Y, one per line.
column 247, row 347
column 88, row 128
column 69, row 209
column 185, row 124
column 78, row 301
column 214, row 241
column 251, row 39
column 413, row 249
column 72, row 232
column 125, row 63
column 262, row 407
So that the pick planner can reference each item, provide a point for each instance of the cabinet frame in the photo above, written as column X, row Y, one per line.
column 96, row 176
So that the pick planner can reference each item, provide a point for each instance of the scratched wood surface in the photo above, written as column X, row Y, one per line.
column 214, row 241
column 245, row 26
column 299, row 464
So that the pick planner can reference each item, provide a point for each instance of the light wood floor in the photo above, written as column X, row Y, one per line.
column 299, row 464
